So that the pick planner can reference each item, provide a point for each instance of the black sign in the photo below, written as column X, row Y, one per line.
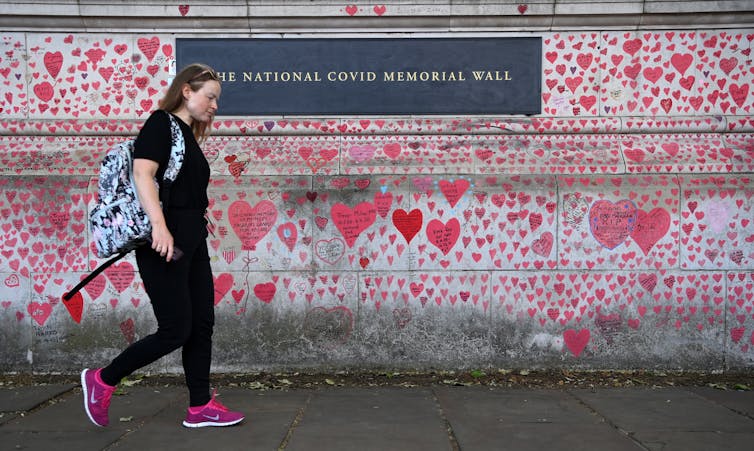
column 372, row 76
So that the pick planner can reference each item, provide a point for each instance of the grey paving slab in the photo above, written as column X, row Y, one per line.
column 672, row 419
column 137, row 404
column 57, row 440
column 23, row 399
column 498, row 419
column 697, row 441
column 269, row 415
column 738, row 401
column 640, row 409
column 7, row 416
column 384, row 418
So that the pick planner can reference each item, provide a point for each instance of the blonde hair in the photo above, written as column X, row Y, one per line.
column 195, row 75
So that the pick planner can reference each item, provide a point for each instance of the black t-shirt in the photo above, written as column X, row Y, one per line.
column 189, row 190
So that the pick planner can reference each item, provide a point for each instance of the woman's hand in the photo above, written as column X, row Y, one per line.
column 162, row 241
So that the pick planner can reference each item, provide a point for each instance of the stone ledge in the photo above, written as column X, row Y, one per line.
column 408, row 125
column 467, row 154
column 258, row 16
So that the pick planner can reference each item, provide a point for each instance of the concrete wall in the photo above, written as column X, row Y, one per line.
column 403, row 242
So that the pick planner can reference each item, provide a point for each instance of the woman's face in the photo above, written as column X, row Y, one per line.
column 202, row 104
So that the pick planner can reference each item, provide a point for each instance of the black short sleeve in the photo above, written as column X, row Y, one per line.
column 153, row 141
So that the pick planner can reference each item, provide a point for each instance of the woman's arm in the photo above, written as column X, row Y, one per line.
column 144, row 173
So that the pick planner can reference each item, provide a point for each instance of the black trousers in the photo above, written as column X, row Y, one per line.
column 182, row 297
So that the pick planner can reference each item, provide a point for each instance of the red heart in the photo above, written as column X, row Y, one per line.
column 120, row 275
column 409, row 223
column 543, row 246
column 44, row 91
column 149, row 46
column 453, row 191
column 576, row 341
column 251, row 224
column 650, row 228
column 444, row 236
column 265, row 291
column 288, row 235
column 53, row 62
column 351, row 222
column 127, row 328
column 183, row 9
column 612, row 223
column 223, row 283
column 75, row 306
column 39, row 312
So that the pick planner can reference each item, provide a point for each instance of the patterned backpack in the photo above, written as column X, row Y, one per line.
column 118, row 223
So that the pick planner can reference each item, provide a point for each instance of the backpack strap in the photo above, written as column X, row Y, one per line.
column 177, row 153
column 67, row 296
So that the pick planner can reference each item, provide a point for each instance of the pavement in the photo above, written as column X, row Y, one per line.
column 51, row 417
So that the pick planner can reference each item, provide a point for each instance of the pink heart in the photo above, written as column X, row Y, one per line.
column 251, row 224
column 611, row 223
column 650, row 228
column 223, row 283
column 265, row 291
column 351, row 222
column 443, row 235
column 576, row 341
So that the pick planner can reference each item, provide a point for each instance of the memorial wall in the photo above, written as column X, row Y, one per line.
column 575, row 191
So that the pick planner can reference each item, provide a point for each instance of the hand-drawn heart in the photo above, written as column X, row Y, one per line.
column 128, row 331
column 681, row 62
column 611, row 223
column 402, row 317
column 149, row 46
column 650, row 228
column 392, row 150
column 543, row 246
column 53, row 62
column 252, row 224
column 288, row 234
column 120, row 275
column 223, row 283
column 409, row 223
column 39, row 312
column 351, row 222
column 717, row 215
column 12, row 281
column 330, row 251
column 444, row 236
column 329, row 325
column 576, row 341
column 44, row 91
column 361, row 154
column 648, row 281
column 75, row 306
column 265, row 291
column 453, row 191
column 95, row 287
column 383, row 201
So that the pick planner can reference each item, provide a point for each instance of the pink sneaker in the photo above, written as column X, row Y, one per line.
column 211, row 414
column 97, row 397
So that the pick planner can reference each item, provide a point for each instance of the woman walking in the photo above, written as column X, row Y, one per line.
column 176, row 268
